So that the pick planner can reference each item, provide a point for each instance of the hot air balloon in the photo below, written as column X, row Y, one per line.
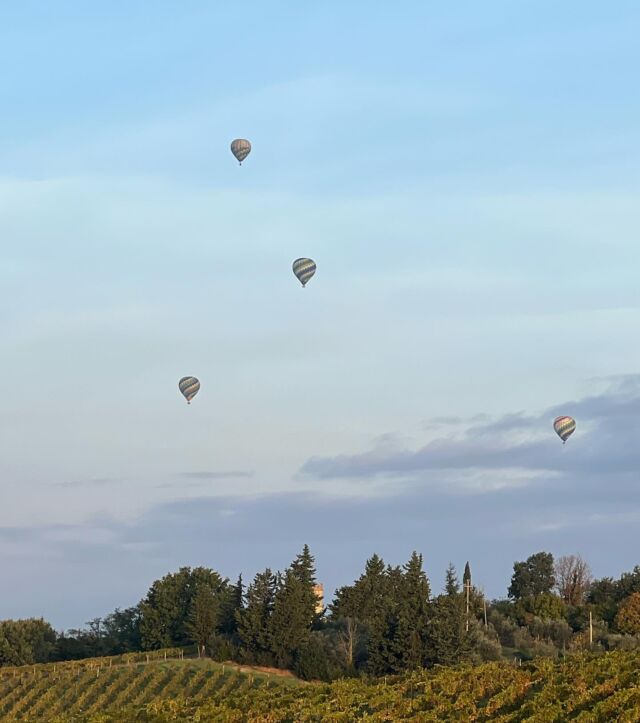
column 565, row 427
column 189, row 386
column 240, row 149
column 304, row 269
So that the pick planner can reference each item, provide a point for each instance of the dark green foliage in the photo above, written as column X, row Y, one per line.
column 293, row 614
column 279, row 613
column 413, row 614
column 26, row 641
column 230, row 606
column 122, row 629
column 629, row 582
column 253, row 619
column 304, row 571
column 532, row 577
column 384, row 623
column 466, row 578
column 317, row 658
column 448, row 641
column 451, row 584
column 168, row 609
column 546, row 606
column 604, row 596
column 392, row 604
column 204, row 613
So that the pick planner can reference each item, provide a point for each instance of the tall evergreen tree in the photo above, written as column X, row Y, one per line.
column 289, row 625
column 451, row 585
column 384, row 644
column 413, row 614
column 203, row 615
column 363, row 600
column 448, row 641
column 294, row 609
column 253, row 620
column 230, row 604
column 303, row 569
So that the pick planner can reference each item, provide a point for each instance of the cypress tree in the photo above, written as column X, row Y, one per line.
column 466, row 578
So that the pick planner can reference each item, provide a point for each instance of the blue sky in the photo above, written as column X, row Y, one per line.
column 466, row 179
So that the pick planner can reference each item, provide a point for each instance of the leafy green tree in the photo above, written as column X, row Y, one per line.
column 317, row 658
column 166, row 611
column 24, row 642
column 630, row 582
column 122, row 630
column 604, row 596
column 546, row 607
column 628, row 617
column 534, row 576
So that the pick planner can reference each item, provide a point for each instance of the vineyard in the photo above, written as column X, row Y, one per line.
column 581, row 688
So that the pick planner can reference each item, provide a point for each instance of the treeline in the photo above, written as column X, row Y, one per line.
column 388, row 621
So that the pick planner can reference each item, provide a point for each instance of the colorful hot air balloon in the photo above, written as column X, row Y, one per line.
column 240, row 149
column 189, row 386
column 565, row 427
column 304, row 269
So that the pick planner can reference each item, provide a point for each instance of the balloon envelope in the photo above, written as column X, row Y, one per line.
column 565, row 427
column 189, row 386
column 304, row 269
column 240, row 149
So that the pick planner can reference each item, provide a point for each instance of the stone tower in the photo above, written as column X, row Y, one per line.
column 319, row 592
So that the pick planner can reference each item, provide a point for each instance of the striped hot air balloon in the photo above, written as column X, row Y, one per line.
column 189, row 386
column 565, row 427
column 240, row 149
column 304, row 269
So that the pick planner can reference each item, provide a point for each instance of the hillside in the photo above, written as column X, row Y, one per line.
column 582, row 688
column 78, row 690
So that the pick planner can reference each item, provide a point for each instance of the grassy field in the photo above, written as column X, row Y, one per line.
column 603, row 688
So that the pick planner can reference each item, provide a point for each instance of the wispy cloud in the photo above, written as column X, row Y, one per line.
column 605, row 442
column 92, row 482
column 230, row 474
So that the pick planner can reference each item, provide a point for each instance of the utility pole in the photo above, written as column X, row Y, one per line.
column 467, row 585
column 466, row 579
column 484, row 605
column 590, row 629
